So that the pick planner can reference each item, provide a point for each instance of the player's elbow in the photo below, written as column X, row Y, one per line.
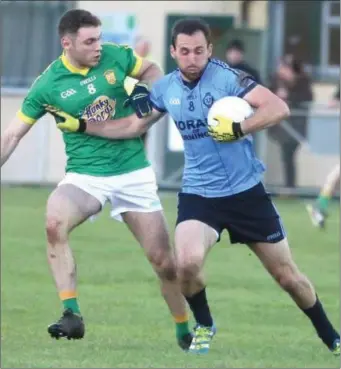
column 283, row 109
column 155, row 69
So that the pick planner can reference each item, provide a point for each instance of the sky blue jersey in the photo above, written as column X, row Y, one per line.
column 212, row 169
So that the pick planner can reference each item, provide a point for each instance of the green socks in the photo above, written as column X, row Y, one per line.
column 72, row 304
column 323, row 202
column 182, row 329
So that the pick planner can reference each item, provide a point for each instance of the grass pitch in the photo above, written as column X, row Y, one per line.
column 127, row 322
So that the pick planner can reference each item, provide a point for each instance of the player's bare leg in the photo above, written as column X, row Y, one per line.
column 193, row 240
column 67, row 207
column 318, row 211
column 278, row 260
column 151, row 232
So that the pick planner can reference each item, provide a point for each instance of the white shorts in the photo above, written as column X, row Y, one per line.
column 134, row 191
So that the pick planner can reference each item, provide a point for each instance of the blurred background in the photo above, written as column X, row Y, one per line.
column 297, row 56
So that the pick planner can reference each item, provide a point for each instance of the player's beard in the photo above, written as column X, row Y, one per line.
column 192, row 76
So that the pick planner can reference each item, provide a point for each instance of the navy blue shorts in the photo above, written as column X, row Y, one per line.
column 249, row 216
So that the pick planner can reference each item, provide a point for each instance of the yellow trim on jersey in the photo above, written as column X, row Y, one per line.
column 137, row 66
column 25, row 118
column 72, row 68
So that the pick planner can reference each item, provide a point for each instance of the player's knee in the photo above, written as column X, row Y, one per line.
column 55, row 229
column 189, row 268
column 164, row 265
column 167, row 270
column 288, row 277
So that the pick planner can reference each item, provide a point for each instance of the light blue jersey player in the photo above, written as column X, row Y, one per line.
column 211, row 169
column 222, row 186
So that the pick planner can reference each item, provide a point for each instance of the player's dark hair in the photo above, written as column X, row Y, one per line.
column 189, row 27
column 75, row 19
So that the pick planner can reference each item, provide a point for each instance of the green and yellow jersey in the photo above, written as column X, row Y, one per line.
column 95, row 94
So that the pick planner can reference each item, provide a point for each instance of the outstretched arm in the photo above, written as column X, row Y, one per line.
column 123, row 128
column 16, row 130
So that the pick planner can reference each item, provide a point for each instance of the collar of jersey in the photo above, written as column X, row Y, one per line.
column 72, row 68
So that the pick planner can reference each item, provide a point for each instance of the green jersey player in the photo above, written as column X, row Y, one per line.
column 87, row 81
column 94, row 94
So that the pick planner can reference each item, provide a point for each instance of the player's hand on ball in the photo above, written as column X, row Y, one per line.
column 224, row 129
column 139, row 100
column 65, row 121
column 226, row 116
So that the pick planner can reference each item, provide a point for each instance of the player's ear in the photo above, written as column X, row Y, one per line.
column 65, row 42
column 172, row 51
column 210, row 50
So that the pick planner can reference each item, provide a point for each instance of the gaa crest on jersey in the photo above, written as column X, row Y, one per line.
column 101, row 109
column 110, row 76
column 208, row 100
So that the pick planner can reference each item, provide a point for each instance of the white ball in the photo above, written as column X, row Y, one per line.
column 232, row 107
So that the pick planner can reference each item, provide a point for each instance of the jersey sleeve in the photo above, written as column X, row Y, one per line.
column 239, row 83
column 156, row 97
column 134, row 62
column 32, row 108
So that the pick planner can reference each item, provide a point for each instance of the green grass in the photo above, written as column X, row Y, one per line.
column 128, row 324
